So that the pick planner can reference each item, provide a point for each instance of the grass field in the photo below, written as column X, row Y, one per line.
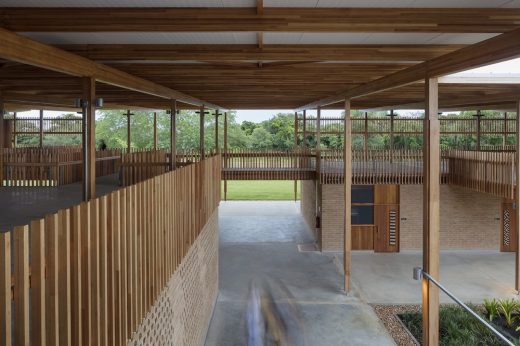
column 260, row 190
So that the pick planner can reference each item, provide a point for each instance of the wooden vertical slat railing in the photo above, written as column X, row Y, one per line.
column 97, row 268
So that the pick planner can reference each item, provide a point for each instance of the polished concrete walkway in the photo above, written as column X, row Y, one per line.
column 259, row 243
column 471, row 275
column 20, row 205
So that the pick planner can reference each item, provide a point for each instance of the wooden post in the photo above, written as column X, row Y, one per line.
column 2, row 141
column 365, row 139
column 89, row 129
column 391, row 136
column 201, row 133
column 154, row 130
column 347, row 181
column 517, row 197
column 128, row 131
column 225, row 152
column 14, row 129
column 318, row 175
column 41, row 128
column 304, row 142
column 217, row 146
column 504, row 138
column 479, row 115
column 431, row 213
column 295, row 147
column 173, row 135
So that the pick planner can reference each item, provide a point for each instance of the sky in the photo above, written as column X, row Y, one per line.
column 506, row 67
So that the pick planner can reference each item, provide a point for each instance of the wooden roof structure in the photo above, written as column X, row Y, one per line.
column 249, row 54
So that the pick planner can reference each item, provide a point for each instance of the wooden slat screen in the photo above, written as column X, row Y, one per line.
column 90, row 273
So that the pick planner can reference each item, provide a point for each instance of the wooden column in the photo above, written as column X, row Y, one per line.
column 479, row 130
column 365, row 139
column 2, row 140
column 318, row 175
column 347, row 176
column 14, row 129
column 89, row 129
column 391, row 136
column 173, row 135
column 202, row 113
column 295, row 148
column 225, row 152
column 128, row 130
column 41, row 129
column 154, row 130
column 431, row 213
column 517, row 197
column 504, row 138
column 304, row 129
column 217, row 146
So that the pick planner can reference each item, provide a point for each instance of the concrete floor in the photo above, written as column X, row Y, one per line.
column 20, row 205
column 471, row 275
column 259, row 242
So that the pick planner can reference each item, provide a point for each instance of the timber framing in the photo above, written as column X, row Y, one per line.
column 493, row 50
column 461, row 20
column 24, row 50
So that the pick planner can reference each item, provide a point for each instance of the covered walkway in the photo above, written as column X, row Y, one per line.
column 260, row 240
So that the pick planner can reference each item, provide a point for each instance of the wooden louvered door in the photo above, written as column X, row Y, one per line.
column 386, row 218
column 508, row 236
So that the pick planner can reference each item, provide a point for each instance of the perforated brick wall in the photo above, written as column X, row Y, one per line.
column 469, row 219
column 181, row 314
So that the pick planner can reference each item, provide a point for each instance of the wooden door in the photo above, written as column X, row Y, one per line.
column 363, row 237
column 386, row 218
column 508, row 237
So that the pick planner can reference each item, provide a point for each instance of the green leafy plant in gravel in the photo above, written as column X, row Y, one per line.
column 508, row 307
column 492, row 307
column 457, row 327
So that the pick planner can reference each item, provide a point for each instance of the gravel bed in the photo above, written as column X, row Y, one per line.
column 388, row 315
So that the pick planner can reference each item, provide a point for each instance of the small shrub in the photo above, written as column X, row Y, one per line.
column 492, row 308
column 507, row 308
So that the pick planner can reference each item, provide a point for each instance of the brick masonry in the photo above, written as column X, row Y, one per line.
column 469, row 219
column 308, row 202
column 182, row 313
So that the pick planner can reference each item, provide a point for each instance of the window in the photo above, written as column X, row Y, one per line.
column 362, row 215
column 362, row 194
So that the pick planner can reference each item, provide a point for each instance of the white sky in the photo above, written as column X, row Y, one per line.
column 506, row 67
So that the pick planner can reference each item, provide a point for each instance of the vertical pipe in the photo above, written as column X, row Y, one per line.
column 154, row 130
column 347, row 178
column 173, row 135
column 225, row 152
column 431, row 213
column 41, row 128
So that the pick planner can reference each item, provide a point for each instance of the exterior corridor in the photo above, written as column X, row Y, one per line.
column 259, row 243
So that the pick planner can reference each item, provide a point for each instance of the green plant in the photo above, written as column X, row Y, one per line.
column 492, row 308
column 507, row 308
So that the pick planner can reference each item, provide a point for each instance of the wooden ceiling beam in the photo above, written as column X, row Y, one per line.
column 24, row 50
column 238, row 52
column 493, row 50
column 106, row 19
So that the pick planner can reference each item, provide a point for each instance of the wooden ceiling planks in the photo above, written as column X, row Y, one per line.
column 441, row 20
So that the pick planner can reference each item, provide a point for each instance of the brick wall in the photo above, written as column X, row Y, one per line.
column 308, row 202
column 181, row 314
column 468, row 218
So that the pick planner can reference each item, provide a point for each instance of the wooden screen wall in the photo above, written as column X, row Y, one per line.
column 508, row 237
column 386, row 218
column 90, row 273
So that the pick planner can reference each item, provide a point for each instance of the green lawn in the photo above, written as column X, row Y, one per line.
column 260, row 190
